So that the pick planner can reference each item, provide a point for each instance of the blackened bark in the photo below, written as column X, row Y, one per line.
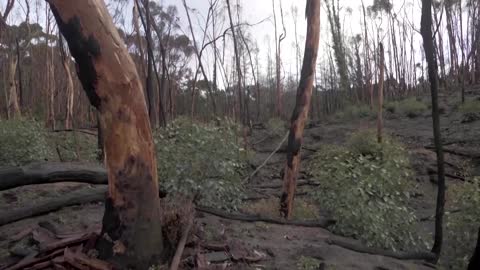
column 427, row 35
column 302, row 106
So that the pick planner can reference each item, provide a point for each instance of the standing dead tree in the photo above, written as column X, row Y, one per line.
column 278, row 60
column 380, row 92
column 238, row 66
column 199, row 58
column 132, row 232
column 427, row 35
column 302, row 105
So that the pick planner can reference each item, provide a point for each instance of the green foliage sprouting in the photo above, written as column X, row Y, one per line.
column 22, row 142
column 202, row 160
column 75, row 146
column 276, row 127
column 366, row 188
column 470, row 106
column 354, row 112
column 409, row 107
column 308, row 263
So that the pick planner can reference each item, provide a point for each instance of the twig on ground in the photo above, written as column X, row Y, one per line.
column 267, row 159
column 323, row 223
column 428, row 256
column 181, row 246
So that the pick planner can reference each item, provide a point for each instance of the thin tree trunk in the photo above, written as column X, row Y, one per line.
column 19, row 73
column 302, row 105
column 451, row 36
column 50, row 87
column 70, row 87
column 238, row 65
column 13, row 108
column 380, row 93
column 138, row 36
column 151, row 92
column 427, row 35
column 199, row 58
column 132, row 232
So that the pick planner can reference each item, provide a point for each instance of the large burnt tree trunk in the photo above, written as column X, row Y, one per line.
column 131, row 233
column 302, row 105
column 427, row 35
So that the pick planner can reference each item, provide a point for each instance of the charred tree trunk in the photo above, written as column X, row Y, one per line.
column 302, row 105
column 380, row 92
column 427, row 35
column 132, row 232
column 475, row 259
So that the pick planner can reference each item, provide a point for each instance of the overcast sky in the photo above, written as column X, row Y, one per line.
column 254, row 11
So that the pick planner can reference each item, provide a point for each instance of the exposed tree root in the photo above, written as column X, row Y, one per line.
column 427, row 256
column 51, row 172
column 324, row 223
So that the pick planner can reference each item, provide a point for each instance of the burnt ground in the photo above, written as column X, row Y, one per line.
column 282, row 246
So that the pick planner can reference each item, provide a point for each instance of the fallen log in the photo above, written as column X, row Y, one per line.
column 427, row 256
column 280, row 185
column 83, row 196
column 473, row 155
column 322, row 223
column 51, row 172
column 85, row 131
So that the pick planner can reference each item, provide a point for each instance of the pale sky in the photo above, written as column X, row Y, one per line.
column 254, row 11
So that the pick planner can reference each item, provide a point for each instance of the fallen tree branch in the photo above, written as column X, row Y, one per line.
column 51, row 172
column 449, row 175
column 267, row 159
column 51, row 205
column 323, row 223
column 428, row 256
column 455, row 152
column 280, row 185
column 76, row 130
column 181, row 246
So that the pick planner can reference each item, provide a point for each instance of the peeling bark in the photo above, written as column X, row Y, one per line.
column 302, row 105
column 110, row 79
